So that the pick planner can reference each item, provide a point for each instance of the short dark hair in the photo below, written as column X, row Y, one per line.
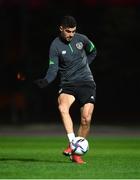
column 68, row 22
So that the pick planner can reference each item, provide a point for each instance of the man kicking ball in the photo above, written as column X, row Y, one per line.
column 69, row 56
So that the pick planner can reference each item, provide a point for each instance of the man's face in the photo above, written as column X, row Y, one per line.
column 67, row 33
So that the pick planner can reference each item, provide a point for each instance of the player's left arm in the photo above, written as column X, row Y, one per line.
column 90, row 49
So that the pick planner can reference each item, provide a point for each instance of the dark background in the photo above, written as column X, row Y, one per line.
column 27, row 28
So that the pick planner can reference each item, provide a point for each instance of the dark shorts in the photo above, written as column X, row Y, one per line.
column 84, row 92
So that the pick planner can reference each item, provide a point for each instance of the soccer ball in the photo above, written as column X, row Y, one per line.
column 79, row 145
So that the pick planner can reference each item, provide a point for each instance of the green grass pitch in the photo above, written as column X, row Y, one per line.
column 32, row 157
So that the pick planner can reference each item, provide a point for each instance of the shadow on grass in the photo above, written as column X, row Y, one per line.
column 33, row 160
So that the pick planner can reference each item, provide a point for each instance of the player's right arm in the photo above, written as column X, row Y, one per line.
column 53, row 64
column 52, row 69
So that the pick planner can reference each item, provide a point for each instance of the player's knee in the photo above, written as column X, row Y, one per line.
column 86, row 116
column 85, row 120
column 63, row 109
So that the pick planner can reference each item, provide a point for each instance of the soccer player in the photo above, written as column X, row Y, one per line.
column 69, row 56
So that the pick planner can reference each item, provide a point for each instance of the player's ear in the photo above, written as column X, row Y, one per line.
column 60, row 28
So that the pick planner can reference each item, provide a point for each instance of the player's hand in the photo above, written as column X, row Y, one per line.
column 41, row 82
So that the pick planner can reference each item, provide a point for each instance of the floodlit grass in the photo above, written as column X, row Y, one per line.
column 41, row 158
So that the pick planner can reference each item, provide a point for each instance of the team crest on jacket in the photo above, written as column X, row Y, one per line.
column 79, row 45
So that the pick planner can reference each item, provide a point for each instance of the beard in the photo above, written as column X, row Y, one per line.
column 69, row 38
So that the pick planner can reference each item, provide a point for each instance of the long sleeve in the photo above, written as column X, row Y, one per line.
column 53, row 64
column 92, row 54
column 90, row 50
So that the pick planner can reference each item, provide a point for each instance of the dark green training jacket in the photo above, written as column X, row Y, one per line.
column 71, row 60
